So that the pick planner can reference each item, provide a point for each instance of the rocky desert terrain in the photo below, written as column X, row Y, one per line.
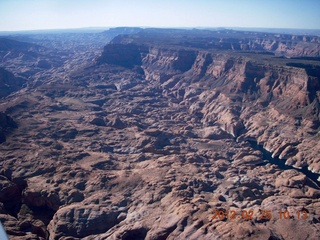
column 160, row 134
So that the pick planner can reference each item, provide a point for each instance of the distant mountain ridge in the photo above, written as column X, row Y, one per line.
column 224, row 39
column 7, row 44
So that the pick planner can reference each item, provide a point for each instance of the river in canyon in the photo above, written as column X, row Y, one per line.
column 281, row 163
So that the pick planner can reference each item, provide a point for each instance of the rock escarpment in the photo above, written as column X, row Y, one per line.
column 228, row 40
column 234, row 91
column 6, row 124
column 150, row 140
column 9, row 83
column 128, row 55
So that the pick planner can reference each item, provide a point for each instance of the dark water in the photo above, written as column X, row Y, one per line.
column 281, row 163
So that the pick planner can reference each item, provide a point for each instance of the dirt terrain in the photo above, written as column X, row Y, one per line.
column 160, row 134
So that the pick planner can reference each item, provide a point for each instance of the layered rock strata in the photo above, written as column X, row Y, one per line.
column 150, row 140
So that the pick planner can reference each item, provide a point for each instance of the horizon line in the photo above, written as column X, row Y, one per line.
column 146, row 27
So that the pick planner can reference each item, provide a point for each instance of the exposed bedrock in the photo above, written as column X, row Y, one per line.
column 128, row 55
column 275, row 104
column 6, row 124
column 228, row 40
column 9, row 83
column 151, row 140
column 78, row 220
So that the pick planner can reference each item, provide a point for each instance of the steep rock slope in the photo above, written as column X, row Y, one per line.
column 6, row 124
column 235, row 91
column 9, row 83
column 149, row 142
column 227, row 40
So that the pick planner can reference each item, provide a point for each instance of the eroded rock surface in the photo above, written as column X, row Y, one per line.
column 147, row 139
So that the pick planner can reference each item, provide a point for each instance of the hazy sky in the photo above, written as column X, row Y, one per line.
column 58, row 14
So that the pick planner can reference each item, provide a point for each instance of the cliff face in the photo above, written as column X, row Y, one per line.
column 6, row 123
column 153, row 139
column 162, row 64
column 9, row 83
column 274, row 105
column 128, row 55
column 288, row 45
column 12, row 45
column 234, row 91
column 284, row 45
column 228, row 40
column 266, row 82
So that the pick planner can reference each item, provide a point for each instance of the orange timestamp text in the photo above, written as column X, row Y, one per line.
column 222, row 214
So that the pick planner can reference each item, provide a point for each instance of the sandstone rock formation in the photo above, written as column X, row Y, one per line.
column 150, row 135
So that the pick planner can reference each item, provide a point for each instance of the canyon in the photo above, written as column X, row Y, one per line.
column 140, row 133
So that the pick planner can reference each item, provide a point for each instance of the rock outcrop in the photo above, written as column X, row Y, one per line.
column 128, row 55
column 241, row 85
column 6, row 124
column 228, row 40
column 159, row 133
column 9, row 83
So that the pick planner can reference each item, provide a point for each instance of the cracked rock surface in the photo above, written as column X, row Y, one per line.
column 146, row 137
